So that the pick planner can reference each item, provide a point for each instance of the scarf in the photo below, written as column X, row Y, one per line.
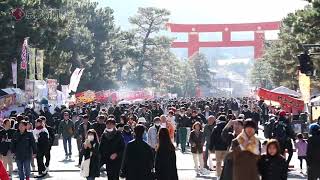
column 248, row 144
column 39, row 127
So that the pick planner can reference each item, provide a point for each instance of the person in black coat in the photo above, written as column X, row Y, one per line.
column 24, row 148
column 90, row 150
column 313, row 152
column 273, row 166
column 6, row 136
column 52, row 137
column 165, row 161
column 138, row 158
column 82, row 130
column 111, row 149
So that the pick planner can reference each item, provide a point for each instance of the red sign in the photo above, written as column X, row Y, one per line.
column 284, row 99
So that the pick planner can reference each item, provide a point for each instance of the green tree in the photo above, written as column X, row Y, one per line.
column 147, row 22
column 301, row 27
column 199, row 63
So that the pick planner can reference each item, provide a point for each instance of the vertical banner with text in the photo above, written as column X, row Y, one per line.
column 32, row 63
column 39, row 63
column 14, row 72
column 304, row 85
column 52, row 85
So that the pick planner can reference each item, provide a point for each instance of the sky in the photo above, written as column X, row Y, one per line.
column 207, row 11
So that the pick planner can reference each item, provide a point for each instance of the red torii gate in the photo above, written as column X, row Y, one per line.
column 193, row 31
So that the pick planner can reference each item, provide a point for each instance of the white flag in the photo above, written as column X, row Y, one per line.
column 14, row 72
column 75, row 79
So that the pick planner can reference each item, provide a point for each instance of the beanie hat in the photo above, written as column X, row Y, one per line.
column 314, row 128
column 282, row 113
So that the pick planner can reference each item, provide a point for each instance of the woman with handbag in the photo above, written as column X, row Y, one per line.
column 90, row 167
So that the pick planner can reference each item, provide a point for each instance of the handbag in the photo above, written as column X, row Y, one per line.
column 85, row 168
column 56, row 140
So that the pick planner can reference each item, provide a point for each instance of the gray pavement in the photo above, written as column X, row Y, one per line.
column 61, row 169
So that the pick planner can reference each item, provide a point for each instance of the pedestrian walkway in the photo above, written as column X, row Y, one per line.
column 62, row 169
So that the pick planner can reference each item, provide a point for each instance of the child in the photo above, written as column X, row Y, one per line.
column 301, row 146
column 273, row 165
column 196, row 141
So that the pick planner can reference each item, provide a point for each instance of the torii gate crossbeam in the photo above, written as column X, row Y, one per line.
column 193, row 44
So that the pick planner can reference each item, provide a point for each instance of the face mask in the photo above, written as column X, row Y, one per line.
column 164, row 125
column 90, row 137
column 157, row 124
column 109, row 129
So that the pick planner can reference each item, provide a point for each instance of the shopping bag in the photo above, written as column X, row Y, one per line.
column 85, row 168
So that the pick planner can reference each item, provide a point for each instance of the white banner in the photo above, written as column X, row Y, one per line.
column 75, row 79
column 14, row 72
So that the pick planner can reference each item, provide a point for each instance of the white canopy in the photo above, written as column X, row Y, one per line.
column 285, row 90
column 124, row 102
column 315, row 101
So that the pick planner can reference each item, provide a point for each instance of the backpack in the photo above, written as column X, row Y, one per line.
column 43, row 141
column 280, row 132
column 268, row 128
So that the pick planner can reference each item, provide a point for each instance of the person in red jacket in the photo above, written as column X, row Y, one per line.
column 3, row 173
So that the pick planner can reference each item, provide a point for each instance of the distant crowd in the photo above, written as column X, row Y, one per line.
column 139, row 141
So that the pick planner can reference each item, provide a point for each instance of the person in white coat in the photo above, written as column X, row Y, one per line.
column 153, row 133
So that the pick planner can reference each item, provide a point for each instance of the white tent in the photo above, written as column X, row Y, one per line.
column 285, row 90
column 315, row 101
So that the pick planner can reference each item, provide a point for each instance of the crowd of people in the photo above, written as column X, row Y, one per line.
column 139, row 141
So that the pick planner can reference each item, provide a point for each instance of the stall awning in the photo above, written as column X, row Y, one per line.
column 283, row 99
column 2, row 93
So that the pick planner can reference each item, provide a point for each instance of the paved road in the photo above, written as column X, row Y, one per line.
column 61, row 169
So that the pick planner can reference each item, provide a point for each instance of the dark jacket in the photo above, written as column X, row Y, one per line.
column 137, row 161
column 183, row 121
column 66, row 128
column 51, row 135
column 227, row 135
column 99, row 128
column 81, row 131
column 196, row 141
column 313, row 151
column 23, row 145
column 194, row 119
column 165, row 165
column 207, row 130
column 216, row 141
column 110, row 145
column 6, row 137
column 273, row 167
column 94, row 167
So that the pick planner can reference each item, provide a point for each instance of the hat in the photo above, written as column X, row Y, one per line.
column 241, row 116
column 111, row 120
column 314, row 128
column 142, row 120
column 250, row 123
column 282, row 113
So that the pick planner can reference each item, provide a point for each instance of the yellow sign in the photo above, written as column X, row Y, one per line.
column 304, row 85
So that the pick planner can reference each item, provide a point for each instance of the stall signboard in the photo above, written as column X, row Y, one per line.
column 7, row 101
column 52, row 85
column 285, row 100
